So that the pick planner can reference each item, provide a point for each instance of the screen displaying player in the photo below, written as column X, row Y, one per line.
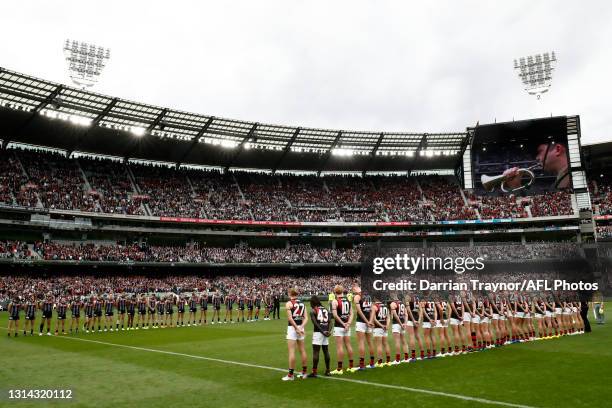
column 521, row 157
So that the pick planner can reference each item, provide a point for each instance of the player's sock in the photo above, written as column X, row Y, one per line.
column 413, row 354
column 42, row 325
column 371, row 360
column 304, row 368
column 397, row 357
column 290, row 373
column 443, row 350
column 361, row 362
column 405, row 356
column 422, row 354
column 428, row 353
column 350, row 363
column 380, row 361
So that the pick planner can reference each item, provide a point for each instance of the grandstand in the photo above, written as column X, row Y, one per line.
column 263, row 193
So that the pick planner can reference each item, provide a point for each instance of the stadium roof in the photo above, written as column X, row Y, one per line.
column 107, row 125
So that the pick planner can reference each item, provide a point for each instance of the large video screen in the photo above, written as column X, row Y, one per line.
column 521, row 157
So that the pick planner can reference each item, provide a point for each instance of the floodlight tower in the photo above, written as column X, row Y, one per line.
column 85, row 62
column 535, row 72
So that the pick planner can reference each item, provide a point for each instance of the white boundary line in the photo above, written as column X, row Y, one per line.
column 373, row 384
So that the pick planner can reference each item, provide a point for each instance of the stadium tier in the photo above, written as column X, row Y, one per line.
column 49, row 180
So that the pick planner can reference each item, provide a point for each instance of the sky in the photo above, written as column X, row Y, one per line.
column 436, row 66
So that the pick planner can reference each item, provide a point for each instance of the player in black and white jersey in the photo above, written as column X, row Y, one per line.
column 131, row 312
column 296, row 321
column 204, row 308
column 217, row 299
column 151, row 308
column 14, row 310
column 142, row 312
column 169, row 308
column 342, row 312
column 363, row 327
column 250, row 303
column 121, row 312
column 258, row 301
column 320, row 336
column 380, row 320
column 30, row 315
column 193, row 309
column 161, row 312
column 397, row 310
column 241, row 307
column 47, row 313
column 89, row 314
column 62, row 309
column 97, row 314
column 109, row 306
column 75, row 309
column 181, row 303
column 229, row 307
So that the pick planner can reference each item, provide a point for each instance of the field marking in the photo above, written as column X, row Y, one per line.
column 283, row 370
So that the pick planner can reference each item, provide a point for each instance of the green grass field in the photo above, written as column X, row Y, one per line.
column 182, row 367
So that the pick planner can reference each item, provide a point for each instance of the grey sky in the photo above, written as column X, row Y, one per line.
column 359, row 65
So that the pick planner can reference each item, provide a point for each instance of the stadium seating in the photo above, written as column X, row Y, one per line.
column 50, row 180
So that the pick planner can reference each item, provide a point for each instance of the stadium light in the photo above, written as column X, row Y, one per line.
column 85, row 62
column 342, row 152
column 535, row 72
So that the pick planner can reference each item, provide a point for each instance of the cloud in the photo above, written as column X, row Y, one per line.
column 359, row 65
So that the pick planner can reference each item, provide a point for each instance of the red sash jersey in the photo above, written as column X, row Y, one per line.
column 365, row 304
column 381, row 312
column 343, row 309
column 401, row 312
column 297, row 311
column 322, row 316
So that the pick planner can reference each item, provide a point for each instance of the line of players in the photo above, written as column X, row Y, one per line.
column 134, row 312
column 462, row 324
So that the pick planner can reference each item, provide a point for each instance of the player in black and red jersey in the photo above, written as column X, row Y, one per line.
column 460, row 335
column 429, row 314
column 398, row 330
column 320, row 336
column 343, row 316
column 380, row 319
column 414, row 318
column 363, row 327
column 296, row 321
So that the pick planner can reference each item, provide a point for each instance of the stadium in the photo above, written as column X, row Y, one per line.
column 189, row 233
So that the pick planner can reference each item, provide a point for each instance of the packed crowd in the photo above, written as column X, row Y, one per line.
column 81, row 286
column 58, row 251
column 53, row 181
column 239, row 254
column 601, row 194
